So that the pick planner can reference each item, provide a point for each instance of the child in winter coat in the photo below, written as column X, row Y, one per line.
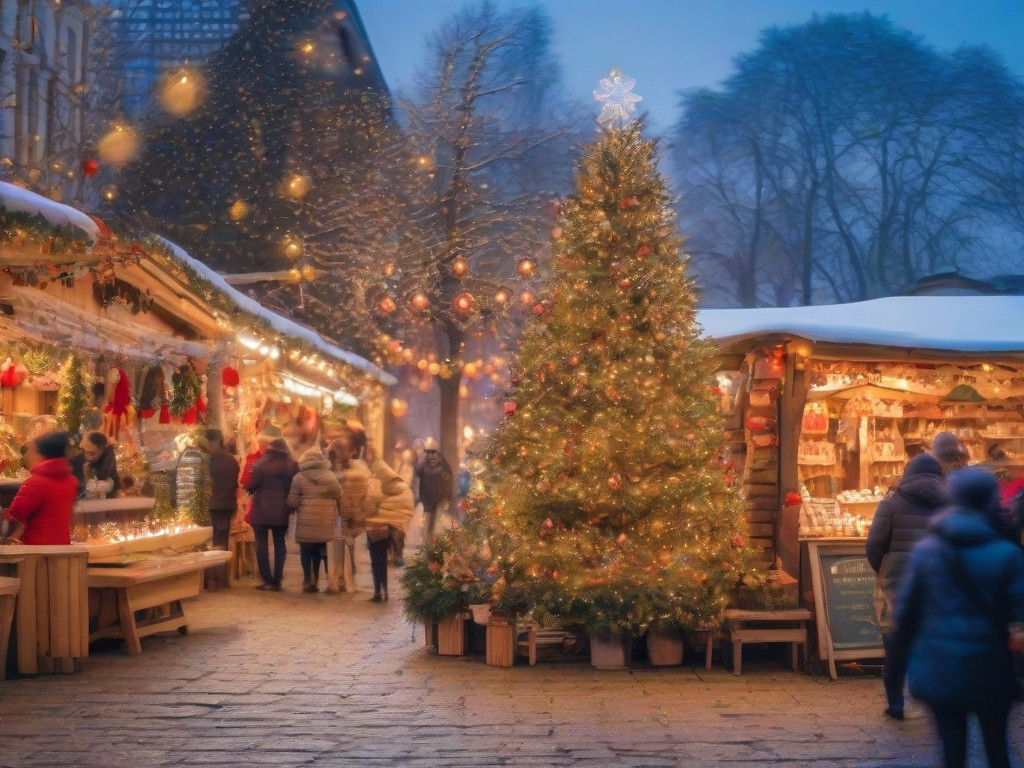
column 316, row 494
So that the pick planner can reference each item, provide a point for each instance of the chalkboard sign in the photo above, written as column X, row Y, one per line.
column 844, row 589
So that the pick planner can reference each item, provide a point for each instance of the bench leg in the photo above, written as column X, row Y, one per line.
column 737, row 656
column 709, row 641
column 129, row 628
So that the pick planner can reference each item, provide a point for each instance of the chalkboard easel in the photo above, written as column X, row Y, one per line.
column 844, row 603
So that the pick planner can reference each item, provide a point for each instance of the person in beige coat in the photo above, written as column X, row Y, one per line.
column 389, row 507
column 354, row 476
column 316, row 494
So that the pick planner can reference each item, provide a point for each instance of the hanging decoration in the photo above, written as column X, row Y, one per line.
column 117, row 392
column 10, row 376
column 185, row 389
column 74, row 402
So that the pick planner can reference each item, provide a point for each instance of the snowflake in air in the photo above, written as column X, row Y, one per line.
column 618, row 97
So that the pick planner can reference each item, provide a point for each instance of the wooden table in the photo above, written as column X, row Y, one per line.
column 8, row 597
column 157, row 587
column 51, row 620
column 786, row 626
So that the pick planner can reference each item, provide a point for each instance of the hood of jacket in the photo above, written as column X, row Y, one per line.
column 923, row 484
column 312, row 463
column 964, row 528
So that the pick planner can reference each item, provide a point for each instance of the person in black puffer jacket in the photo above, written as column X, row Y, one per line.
column 900, row 521
column 269, row 485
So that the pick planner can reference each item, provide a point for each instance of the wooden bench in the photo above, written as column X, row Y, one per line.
column 786, row 626
column 155, row 587
column 530, row 635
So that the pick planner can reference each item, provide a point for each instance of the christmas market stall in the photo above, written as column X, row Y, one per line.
column 824, row 405
column 146, row 344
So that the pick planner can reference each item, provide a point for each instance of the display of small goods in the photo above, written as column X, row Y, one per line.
column 863, row 420
column 848, row 515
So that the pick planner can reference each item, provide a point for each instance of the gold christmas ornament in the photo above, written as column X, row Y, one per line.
column 501, row 297
column 526, row 267
column 387, row 305
column 308, row 273
column 419, row 301
column 463, row 303
column 294, row 275
column 181, row 91
column 460, row 267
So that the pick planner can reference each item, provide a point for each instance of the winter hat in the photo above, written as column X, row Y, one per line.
column 52, row 445
column 973, row 488
column 279, row 444
column 947, row 447
column 311, row 454
column 269, row 433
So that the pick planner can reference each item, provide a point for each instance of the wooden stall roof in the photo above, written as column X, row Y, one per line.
column 179, row 287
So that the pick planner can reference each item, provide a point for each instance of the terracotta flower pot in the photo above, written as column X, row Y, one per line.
column 664, row 647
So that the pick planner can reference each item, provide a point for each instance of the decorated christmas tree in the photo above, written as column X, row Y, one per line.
column 607, row 484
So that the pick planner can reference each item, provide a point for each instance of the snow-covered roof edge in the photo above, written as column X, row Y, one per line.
column 280, row 324
column 942, row 323
column 18, row 200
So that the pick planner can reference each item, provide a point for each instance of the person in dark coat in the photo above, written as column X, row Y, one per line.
column 223, row 502
column 100, row 461
column 269, row 484
column 435, row 482
column 964, row 586
column 900, row 521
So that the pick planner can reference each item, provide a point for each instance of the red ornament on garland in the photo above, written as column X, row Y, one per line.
column 510, row 407
column 90, row 168
column 229, row 378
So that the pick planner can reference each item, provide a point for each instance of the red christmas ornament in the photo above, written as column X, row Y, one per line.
column 643, row 252
column 165, row 414
column 90, row 168
column 229, row 378
column 510, row 407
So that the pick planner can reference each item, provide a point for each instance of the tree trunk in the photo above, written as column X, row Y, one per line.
column 449, row 427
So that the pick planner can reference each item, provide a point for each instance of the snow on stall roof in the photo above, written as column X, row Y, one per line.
column 280, row 324
column 18, row 200
column 947, row 323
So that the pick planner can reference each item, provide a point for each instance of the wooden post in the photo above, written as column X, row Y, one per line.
column 8, row 596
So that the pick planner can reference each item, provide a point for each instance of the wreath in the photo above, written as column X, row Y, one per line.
column 186, row 387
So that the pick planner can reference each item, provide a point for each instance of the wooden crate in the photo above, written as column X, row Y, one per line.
column 451, row 636
column 51, row 621
column 501, row 644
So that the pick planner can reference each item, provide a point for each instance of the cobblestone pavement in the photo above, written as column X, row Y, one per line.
column 293, row 679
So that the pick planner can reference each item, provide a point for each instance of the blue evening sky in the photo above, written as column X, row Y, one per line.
column 669, row 45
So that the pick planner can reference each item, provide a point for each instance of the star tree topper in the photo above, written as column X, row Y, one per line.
column 618, row 97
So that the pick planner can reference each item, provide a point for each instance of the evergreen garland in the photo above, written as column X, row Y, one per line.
column 74, row 402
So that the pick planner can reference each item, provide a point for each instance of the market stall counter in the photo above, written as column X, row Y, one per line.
column 140, row 598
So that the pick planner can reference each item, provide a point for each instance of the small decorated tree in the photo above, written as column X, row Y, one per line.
column 74, row 402
column 609, row 498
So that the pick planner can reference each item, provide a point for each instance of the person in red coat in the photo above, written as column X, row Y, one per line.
column 42, row 506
